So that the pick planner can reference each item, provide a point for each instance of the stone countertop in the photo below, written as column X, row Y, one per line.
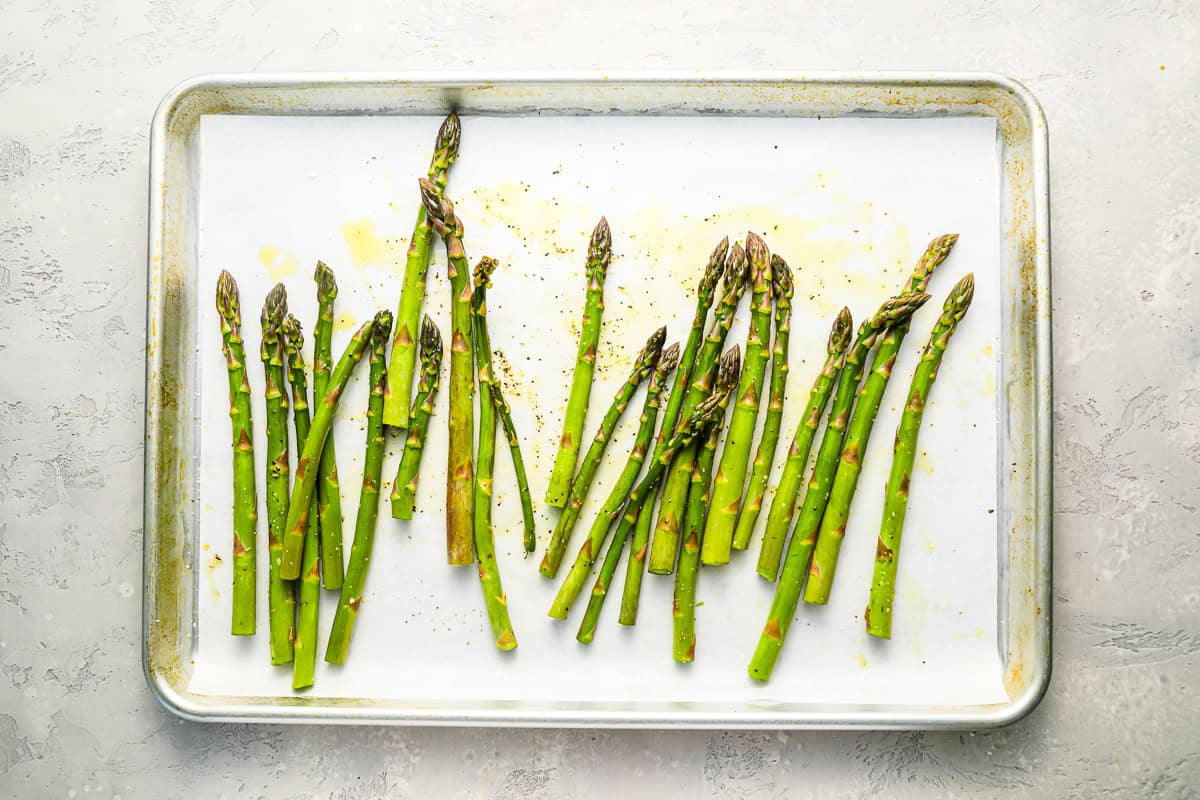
column 78, row 84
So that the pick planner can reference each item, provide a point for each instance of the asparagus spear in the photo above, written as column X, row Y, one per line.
column 310, row 574
column 460, row 548
column 684, row 607
column 599, row 254
column 494, row 599
column 245, row 500
column 783, row 507
column 318, row 433
column 665, row 544
column 705, row 292
column 281, row 593
column 858, row 434
column 643, row 366
column 368, row 500
column 787, row 592
column 404, row 489
column 403, row 360
column 895, row 504
column 620, row 492
column 329, row 496
column 735, row 458
column 781, row 288
column 514, row 449
column 698, row 420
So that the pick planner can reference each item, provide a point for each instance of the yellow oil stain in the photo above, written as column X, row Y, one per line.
column 279, row 263
column 368, row 248
column 210, row 572
column 924, row 463
column 345, row 321
column 987, row 350
column 862, row 661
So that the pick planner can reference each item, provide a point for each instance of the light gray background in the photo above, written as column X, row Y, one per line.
column 78, row 84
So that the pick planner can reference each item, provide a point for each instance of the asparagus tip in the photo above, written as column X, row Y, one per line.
column 381, row 327
column 227, row 296
column 715, row 268
column 781, row 278
column 668, row 360
column 293, row 336
column 839, row 335
column 960, row 296
column 728, row 369
column 326, row 283
column 431, row 341
column 600, row 246
column 449, row 135
column 483, row 271
column 756, row 248
column 274, row 311
column 431, row 198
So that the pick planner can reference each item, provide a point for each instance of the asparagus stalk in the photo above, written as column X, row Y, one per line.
column 735, row 458
column 787, row 592
column 690, row 554
column 404, row 489
column 895, row 503
column 460, row 548
column 368, row 500
column 858, row 434
column 396, row 411
column 329, row 496
column 783, row 507
column 701, row 417
column 245, row 500
column 642, row 368
column 611, row 509
column 599, row 254
column 705, row 292
column 306, row 467
column 665, row 544
column 514, row 449
column 281, row 593
column 303, row 665
column 494, row 599
column 781, row 288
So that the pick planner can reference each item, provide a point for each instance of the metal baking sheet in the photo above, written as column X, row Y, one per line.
column 847, row 176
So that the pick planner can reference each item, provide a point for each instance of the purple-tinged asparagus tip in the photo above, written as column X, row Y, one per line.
column 669, row 360
column 431, row 342
column 728, row 370
column 449, row 135
column 839, row 335
column 431, row 198
column 781, row 278
column 228, row 304
column 273, row 312
column 381, row 328
column 293, row 336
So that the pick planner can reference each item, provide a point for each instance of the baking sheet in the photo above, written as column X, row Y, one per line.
column 850, row 202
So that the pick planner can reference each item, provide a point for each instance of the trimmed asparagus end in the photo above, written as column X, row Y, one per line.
column 839, row 335
column 483, row 271
column 228, row 301
column 327, row 288
column 781, row 278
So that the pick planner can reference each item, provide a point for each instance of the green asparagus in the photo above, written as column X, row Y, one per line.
column 404, row 488
column 245, row 500
column 329, row 497
column 735, row 458
column 402, row 364
column 895, row 504
column 781, row 288
column 460, row 547
column 281, row 593
column 514, row 449
column 599, row 255
column 351, row 597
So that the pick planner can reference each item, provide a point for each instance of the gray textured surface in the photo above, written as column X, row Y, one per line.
column 78, row 83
